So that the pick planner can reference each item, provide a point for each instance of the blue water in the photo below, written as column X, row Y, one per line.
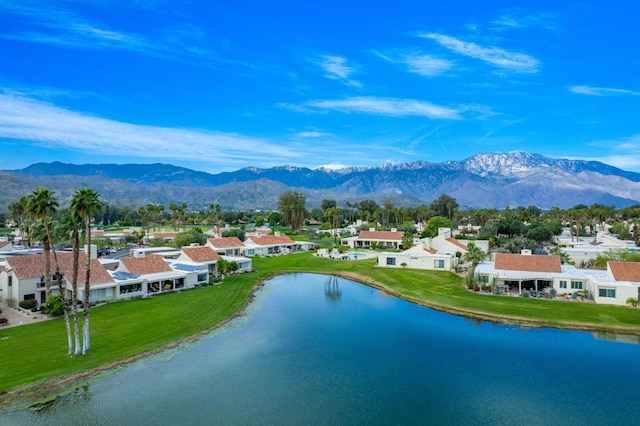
column 322, row 351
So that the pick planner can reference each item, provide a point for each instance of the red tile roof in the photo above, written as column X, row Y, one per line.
column 225, row 242
column 381, row 235
column 201, row 254
column 531, row 263
column 164, row 234
column 151, row 264
column 32, row 266
column 271, row 240
column 625, row 271
column 457, row 243
column 431, row 250
column 4, row 243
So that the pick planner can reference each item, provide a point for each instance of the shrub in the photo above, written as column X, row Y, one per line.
column 3, row 321
column 53, row 306
column 28, row 304
column 553, row 292
column 11, row 302
column 526, row 293
column 633, row 301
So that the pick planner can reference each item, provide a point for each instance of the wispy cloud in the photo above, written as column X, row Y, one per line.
column 419, row 63
column 336, row 68
column 623, row 152
column 501, row 58
column 312, row 134
column 602, row 91
column 46, row 23
column 49, row 126
column 393, row 107
column 517, row 20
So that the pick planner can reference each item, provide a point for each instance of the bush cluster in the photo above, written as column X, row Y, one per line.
column 28, row 304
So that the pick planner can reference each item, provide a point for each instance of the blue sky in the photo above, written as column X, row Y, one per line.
column 221, row 85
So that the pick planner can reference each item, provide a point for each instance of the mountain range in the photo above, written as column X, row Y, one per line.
column 495, row 180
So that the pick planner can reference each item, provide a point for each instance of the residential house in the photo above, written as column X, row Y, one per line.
column 204, row 256
column 22, row 278
column 270, row 245
column 618, row 283
column 418, row 257
column 375, row 239
column 230, row 246
column 160, row 277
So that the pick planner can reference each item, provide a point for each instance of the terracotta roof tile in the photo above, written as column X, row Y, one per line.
column 200, row 254
column 625, row 271
column 4, row 243
column 431, row 250
column 381, row 235
column 145, row 265
column 271, row 240
column 457, row 243
column 225, row 242
column 531, row 263
column 164, row 234
column 32, row 266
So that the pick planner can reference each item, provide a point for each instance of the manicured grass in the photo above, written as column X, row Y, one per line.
column 445, row 290
column 125, row 329
column 118, row 331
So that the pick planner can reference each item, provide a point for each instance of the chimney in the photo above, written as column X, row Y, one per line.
column 138, row 253
column 93, row 253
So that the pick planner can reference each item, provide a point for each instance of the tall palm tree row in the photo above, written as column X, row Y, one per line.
column 42, row 205
column 84, row 204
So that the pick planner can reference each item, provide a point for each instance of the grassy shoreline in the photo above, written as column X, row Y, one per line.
column 36, row 365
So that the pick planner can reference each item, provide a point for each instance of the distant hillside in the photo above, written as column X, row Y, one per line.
column 484, row 180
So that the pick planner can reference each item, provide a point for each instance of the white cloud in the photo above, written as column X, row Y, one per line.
column 601, row 91
column 336, row 68
column 46, row 23
column 623, row 153
column 53, row 127
column 312, row 134
column 501, row 58
column 427, row 65
column 388, row 106
column 514, row 21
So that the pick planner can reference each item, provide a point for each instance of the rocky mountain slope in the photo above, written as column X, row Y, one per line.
column 484, row 180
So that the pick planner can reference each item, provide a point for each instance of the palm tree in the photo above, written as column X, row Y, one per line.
column 41, row 203
column 85, row 203
column 73, row 223
column 474, row 255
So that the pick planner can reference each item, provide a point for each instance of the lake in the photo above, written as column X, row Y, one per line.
column 314, row 349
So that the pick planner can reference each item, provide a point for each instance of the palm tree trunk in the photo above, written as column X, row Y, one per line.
column 74, row 290
column 86, row 345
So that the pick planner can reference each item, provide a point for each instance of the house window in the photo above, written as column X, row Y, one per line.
column 438, row 263
column 563, row 284
column 130, row 288
column 202, row 277
column 10, row 280
column 607, row 292
column 391, row 261
column 577, row 285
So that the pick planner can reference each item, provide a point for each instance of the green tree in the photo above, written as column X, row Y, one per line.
column 41, row 203
column 291, row 205
column 407, row 240
column 445, row 206
column 235, row 232
column 73, row 223
column 84, row 203
column 433, row 224
column 564, row 257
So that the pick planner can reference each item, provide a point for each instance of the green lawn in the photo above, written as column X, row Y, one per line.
column 121, row 330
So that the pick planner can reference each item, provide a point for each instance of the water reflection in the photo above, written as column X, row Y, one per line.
column 332, row 289
column 300, row 358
